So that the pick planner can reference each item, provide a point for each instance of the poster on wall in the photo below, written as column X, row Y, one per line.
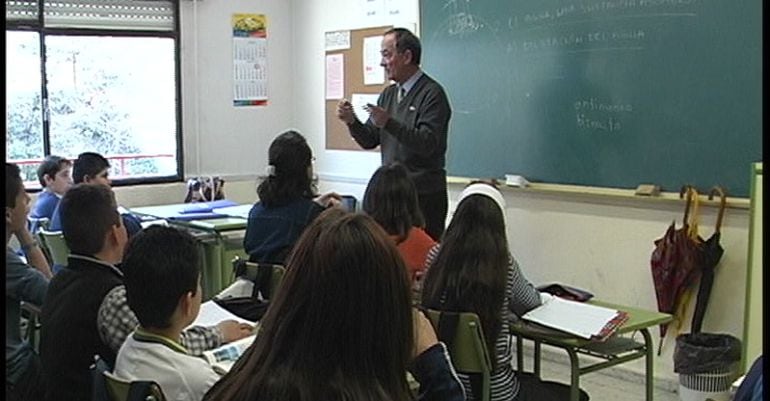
column 249, row 59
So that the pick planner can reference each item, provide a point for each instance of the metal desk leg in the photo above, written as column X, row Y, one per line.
column 574, row 389
column 537, row 359
column 520, row 353
column 648, row 361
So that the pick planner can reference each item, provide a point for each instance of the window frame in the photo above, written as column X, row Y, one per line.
column 38, row 25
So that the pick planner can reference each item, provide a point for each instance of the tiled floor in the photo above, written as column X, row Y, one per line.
column 600, row 386
column 603, row 387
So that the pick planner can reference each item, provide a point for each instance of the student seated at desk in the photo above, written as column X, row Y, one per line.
column 391, row 199
column 162, row 276
column 286, row 201
column 342, row 327
column 23, row 283
column 85, row 312
column 55, row 176
column 93, row 168
column 472, row 270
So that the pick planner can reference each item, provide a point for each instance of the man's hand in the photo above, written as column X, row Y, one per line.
column 424, row 335
column 233, row 330
column 377, row 114
column 345, row 112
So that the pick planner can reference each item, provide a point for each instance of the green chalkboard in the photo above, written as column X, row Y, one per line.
column 608, row 93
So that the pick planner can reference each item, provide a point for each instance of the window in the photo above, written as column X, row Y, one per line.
column 111, row 85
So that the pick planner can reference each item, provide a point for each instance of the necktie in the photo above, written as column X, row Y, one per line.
column 401, row 94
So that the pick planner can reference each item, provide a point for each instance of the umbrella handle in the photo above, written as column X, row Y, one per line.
column 722, row 204
column 689, row 189
column 690, row 221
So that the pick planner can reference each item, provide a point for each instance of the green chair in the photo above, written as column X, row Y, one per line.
column 53, row 242
column 464, row 337
column 36, row 223
column 140, row 390
column 266, row 277
column 30, row 321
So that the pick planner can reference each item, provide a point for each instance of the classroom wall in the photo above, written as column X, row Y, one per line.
column 596, row 243
column 219, row 138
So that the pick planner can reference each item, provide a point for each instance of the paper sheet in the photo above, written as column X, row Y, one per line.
column 337, row 40
column 373, row 73
column 234, row 211
column 359, row 100
column 211, row 314
column 581, row 319
column 335, row 76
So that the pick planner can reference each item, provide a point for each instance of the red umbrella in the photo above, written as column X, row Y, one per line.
column 675, row 261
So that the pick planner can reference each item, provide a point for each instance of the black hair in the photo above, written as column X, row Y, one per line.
column 340, row 326
column 88, row 164
column 88, row 212
column 290, row 157
column 160, row 265
column 406, row 40
column 470, row 269
column 391, row 199
column 51, row 166
column 13, row 184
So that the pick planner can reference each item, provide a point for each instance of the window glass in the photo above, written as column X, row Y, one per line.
column 116, row 96
column 23, row 110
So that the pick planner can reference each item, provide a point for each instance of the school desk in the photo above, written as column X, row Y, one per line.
column 220, row 236
column 615, row 350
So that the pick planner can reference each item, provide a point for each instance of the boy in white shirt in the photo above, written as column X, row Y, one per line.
column 162, row 278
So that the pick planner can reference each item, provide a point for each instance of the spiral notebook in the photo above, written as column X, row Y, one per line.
column 584, row 320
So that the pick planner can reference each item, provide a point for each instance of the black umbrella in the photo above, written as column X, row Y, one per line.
column 675, row 262
column 711, row 254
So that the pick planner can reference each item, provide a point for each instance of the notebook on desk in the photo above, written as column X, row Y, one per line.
column 220, row 223
column 591, row 322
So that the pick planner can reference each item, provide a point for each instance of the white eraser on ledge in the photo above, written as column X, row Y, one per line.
column 516, row 180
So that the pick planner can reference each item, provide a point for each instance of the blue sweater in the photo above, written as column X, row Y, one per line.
column 271, row 232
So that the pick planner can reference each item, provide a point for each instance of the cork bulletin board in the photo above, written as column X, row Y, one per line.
column 337, row 136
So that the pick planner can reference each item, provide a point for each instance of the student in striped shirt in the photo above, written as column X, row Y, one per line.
column 472, row 270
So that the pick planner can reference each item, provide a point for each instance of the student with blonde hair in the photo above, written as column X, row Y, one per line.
column 342, row 326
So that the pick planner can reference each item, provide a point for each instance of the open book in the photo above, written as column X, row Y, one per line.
column 223, row 358
column 580, row 319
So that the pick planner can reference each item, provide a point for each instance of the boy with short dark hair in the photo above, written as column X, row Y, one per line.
column 55, row 176
column 95, row 234
column 162, row 279
column 93, row 168
column 86, row 312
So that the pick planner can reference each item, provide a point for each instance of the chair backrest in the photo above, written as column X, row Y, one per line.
column 464, row 337
column 36, row 223
column 140, row 390
column 30, row 314
column 267, row 277
column 54, row 242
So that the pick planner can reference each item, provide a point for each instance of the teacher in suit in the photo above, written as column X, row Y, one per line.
column 409, row 123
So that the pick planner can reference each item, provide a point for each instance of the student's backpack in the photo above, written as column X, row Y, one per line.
column 205, row 189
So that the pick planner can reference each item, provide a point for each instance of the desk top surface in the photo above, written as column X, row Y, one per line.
column 637, row 319
column 217, row 215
